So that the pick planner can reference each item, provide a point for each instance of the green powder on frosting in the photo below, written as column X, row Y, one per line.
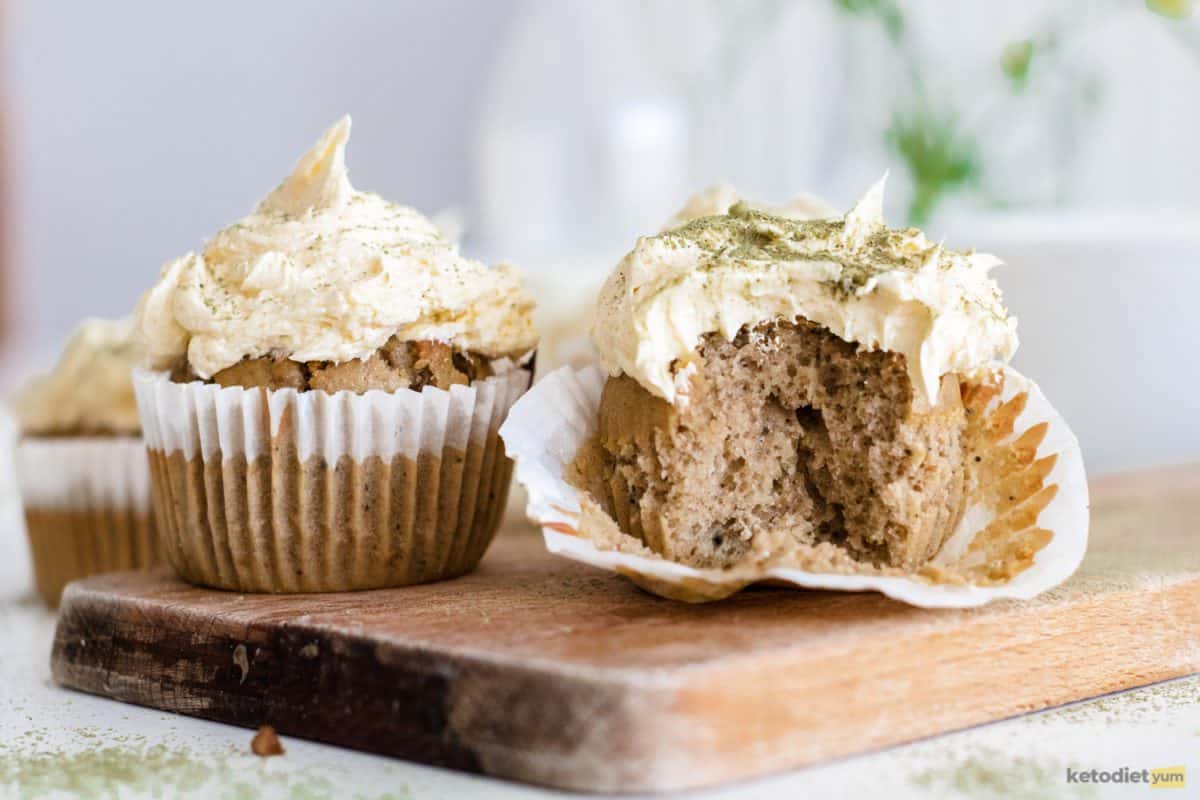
column 746, row 235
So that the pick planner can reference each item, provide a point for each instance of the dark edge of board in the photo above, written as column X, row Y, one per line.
column 547, row 724
column 389, row 699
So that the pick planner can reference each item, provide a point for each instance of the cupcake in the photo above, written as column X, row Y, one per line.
column 81, row 464
column 324, row 385
column 783, row 397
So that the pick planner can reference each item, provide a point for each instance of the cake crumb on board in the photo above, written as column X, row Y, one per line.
column 266, row 742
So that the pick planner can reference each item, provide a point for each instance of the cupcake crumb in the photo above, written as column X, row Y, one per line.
column 395, row 366
column 266, row 742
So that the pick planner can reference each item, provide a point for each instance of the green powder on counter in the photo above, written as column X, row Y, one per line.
column 116, row 765
column 991, row 774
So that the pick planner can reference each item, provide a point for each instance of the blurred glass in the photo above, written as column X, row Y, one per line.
column 627, row 107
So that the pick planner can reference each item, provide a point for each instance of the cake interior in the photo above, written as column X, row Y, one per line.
column 793, row 444
column 397, row 365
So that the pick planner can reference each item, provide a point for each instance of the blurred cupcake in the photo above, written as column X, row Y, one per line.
column 81, row 464
column 716, row 200
column 329, row 377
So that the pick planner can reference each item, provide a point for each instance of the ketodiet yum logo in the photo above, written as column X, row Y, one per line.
column 1160, row 778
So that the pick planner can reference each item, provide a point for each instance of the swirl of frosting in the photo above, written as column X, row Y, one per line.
column 879, row 287
column 322, row 272
column 90, row 389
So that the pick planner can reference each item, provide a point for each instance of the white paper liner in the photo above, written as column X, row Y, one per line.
column 83, row 473
column 204, row 418
column 260, row 490
column 546, row 427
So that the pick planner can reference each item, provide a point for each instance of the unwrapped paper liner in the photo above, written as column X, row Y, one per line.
column 546, row 428
column 264, row 490
column 87, row 508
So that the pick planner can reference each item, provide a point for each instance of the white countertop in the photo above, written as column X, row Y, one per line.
column 55, row 742
column 59, row 743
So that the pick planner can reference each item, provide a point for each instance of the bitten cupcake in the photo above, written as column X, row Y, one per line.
column 81, row 464
column 821, row 401
column 327, row 378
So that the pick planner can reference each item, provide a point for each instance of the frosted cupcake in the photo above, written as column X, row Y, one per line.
column 796, row 399
column 81, row 464
column 328, row 377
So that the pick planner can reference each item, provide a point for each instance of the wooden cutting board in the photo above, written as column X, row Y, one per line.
column 541, row 670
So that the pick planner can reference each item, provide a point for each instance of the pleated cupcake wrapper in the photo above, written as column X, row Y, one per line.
column 69, row 545
column 83, row 473
column 1023, row 531
column 262, row 490
column 87, row 508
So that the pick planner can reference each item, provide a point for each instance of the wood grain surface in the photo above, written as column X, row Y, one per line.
column 541, row 670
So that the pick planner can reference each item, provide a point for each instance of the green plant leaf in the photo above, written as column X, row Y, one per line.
column 1175, row 9
column 939, row 155
column 1015, row 59
column 886, row 11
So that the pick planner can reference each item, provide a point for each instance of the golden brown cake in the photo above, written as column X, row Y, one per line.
column 397, row 365
column 788, row 432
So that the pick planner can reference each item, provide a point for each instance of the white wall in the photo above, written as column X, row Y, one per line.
column 1105, row 308
column 142, row 127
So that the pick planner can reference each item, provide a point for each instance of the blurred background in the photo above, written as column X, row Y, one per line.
column 1063, row 136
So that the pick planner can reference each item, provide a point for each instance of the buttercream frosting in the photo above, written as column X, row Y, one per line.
column 880, row 287
column 322, row 272
column 90, row 389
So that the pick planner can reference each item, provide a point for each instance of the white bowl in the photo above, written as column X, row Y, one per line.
column 1109, row 325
